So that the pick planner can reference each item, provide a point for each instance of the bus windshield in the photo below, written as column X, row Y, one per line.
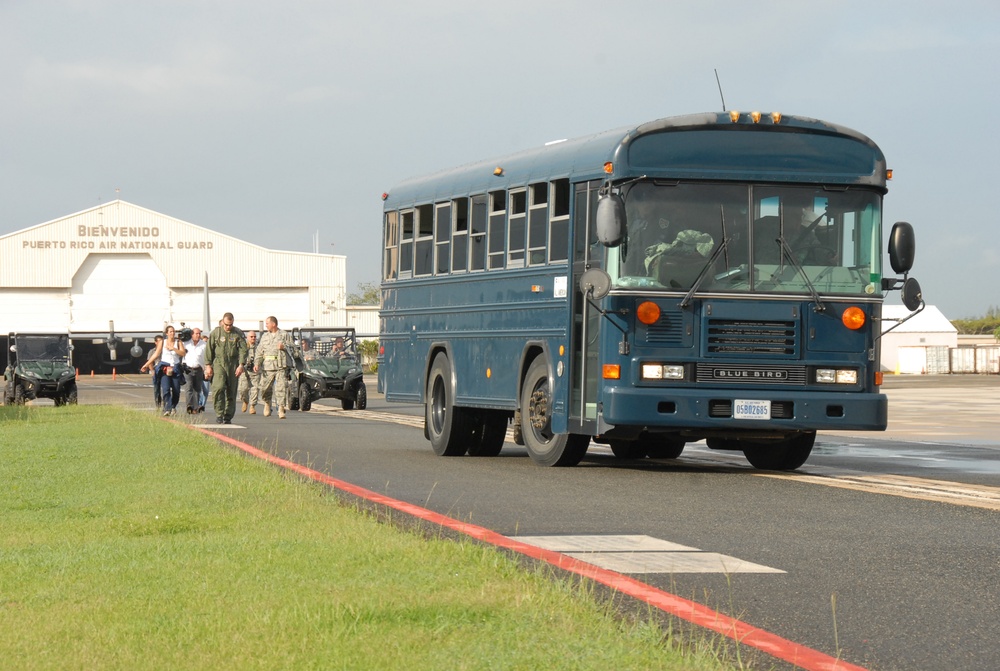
column 764, row 239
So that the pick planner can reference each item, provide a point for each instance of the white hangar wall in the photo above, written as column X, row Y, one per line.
column 143, row 269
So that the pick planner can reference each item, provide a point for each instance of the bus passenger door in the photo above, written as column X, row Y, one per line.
column 584, row 339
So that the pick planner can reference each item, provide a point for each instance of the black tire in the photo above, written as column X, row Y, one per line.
column 780, row 455
column 18, row 394
column 627, row 449
column 544, row 447
column 661, row 447
column 347, row 403
column 72, row 396
column 361, row 400
column 491, row 431
column 451, row 430
column 305, row 402
column 516, row 428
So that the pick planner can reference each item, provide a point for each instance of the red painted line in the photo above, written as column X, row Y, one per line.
column 741, row 632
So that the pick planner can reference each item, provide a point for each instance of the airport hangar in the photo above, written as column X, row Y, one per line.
column 140, row 270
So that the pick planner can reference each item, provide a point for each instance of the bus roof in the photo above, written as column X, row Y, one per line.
column 694, row 146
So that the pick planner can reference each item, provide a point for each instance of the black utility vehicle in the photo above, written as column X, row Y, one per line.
column 39, row 366
column 327, row 365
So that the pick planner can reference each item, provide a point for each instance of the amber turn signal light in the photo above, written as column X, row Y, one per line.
column 648, row 312
column 853, row 318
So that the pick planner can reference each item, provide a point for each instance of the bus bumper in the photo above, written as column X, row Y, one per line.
column 700, row 409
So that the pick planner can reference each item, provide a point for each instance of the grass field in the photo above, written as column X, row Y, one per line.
column 128, row 542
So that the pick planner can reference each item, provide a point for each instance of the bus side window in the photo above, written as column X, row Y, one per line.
column 516, row 228
column 538, row 212
column 559, row 222
column 423, row 261
column 460, row 235
column 406, row 245
column 390, row 268
column 498, row 228
column 442, row 238
column 477, row 241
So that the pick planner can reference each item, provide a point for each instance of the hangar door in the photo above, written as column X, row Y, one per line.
column 126, row 288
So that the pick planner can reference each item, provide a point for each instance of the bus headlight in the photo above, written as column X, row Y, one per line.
column 836, row 376
column 658, row 371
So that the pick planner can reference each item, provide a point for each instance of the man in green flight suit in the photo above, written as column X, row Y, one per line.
column 224, row 356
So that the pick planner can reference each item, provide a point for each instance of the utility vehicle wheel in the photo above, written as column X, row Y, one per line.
column 72, row 396
column 305, row 404
column 361, row 401
column 451, row 430
column 545, row 447
column 347, row 403
column 18, row 395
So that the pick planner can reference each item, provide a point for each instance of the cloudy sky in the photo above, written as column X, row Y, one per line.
column 281, row 123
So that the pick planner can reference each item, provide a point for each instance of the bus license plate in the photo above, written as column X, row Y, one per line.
column 751, row 409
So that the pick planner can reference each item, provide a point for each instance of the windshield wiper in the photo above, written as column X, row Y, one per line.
column 723, row 246
column 787, row 251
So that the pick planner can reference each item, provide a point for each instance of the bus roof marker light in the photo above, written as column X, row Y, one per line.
column 888, row 174
column 648, row 312
column 498, row 171
column 775, row 117
column 734, row 116
column 609, row 167
column 853, row 318
column 755, row 117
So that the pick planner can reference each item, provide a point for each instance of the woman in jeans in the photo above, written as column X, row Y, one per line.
column 170, row 369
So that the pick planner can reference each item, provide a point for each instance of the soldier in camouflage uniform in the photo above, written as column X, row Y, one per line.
column 250, row 381
column 273, row 359
column 224, row 356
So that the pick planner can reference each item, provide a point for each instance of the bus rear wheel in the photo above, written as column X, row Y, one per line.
column 781, row 455
column 451, row 430
column 661, row 447
column 545, row 447
column 648, row 445
column 491, row 431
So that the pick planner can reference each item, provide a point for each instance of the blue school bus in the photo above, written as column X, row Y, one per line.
column 710, row 277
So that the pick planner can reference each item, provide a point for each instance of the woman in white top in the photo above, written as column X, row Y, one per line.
column 170, row 366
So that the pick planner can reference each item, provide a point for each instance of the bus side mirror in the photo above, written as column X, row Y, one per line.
column 610, row 220
column 902, row 246
column 911, row 294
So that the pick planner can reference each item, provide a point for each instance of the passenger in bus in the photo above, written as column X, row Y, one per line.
column 647, row 227
column 678, row 264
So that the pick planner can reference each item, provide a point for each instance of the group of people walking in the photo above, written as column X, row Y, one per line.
column 235, row 364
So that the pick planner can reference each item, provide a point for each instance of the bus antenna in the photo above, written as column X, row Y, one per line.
column 720, row 89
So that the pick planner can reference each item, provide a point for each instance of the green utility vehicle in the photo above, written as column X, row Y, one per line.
column 39, row 366
column 327, row 365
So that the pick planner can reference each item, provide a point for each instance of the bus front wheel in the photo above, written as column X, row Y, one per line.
column 450, row 429
column 545, row 447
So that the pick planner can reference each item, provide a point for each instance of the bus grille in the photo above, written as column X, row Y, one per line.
column 741, row 337
column 668, row 330
column 742, row 373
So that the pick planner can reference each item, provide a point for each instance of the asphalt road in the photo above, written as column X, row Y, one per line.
column 882, row 550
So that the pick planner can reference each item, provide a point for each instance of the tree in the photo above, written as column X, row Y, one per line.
column 367, row 294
